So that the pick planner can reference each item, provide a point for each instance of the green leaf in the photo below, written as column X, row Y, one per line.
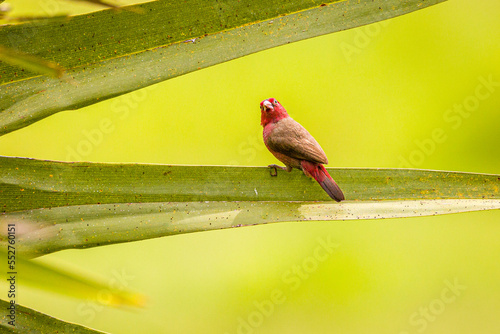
column 52, row 278
column 61, row 205
column 29, row 184
column 30, row 321
column 108, row 53
column 83, row 226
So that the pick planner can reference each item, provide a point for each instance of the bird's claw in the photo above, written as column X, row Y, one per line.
column 275, row 167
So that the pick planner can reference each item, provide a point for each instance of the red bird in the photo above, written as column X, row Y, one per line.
column 291, row 144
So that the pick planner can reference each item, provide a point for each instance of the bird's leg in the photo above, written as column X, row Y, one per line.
column 275, row 167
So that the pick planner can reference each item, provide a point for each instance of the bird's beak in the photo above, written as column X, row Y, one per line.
column 268, row 105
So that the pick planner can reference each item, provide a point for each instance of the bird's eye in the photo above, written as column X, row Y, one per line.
column 275, row 101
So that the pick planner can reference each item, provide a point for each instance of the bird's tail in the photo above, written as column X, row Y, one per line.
column 319, row 173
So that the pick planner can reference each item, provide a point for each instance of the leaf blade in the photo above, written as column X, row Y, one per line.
column 77, row 205
column 31, row 321
column 31, row 184
column 48, row 277
column 51, row 230
column 109, row 65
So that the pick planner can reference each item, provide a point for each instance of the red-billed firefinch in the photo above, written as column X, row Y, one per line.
column 290, row 143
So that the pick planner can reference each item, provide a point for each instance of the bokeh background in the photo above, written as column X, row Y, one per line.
column 372, row 97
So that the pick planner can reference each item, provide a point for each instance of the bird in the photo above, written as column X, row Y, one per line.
column 295, row 147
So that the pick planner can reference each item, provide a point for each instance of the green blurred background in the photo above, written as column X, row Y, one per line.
column 372, row 97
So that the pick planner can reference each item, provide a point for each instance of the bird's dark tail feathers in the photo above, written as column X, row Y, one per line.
column 319, row 173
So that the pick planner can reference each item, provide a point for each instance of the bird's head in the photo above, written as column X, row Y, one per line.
column 271, row 111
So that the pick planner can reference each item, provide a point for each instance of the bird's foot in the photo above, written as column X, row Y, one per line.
column 275, row 167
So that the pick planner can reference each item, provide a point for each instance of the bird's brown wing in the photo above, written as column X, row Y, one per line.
column 292, row 139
